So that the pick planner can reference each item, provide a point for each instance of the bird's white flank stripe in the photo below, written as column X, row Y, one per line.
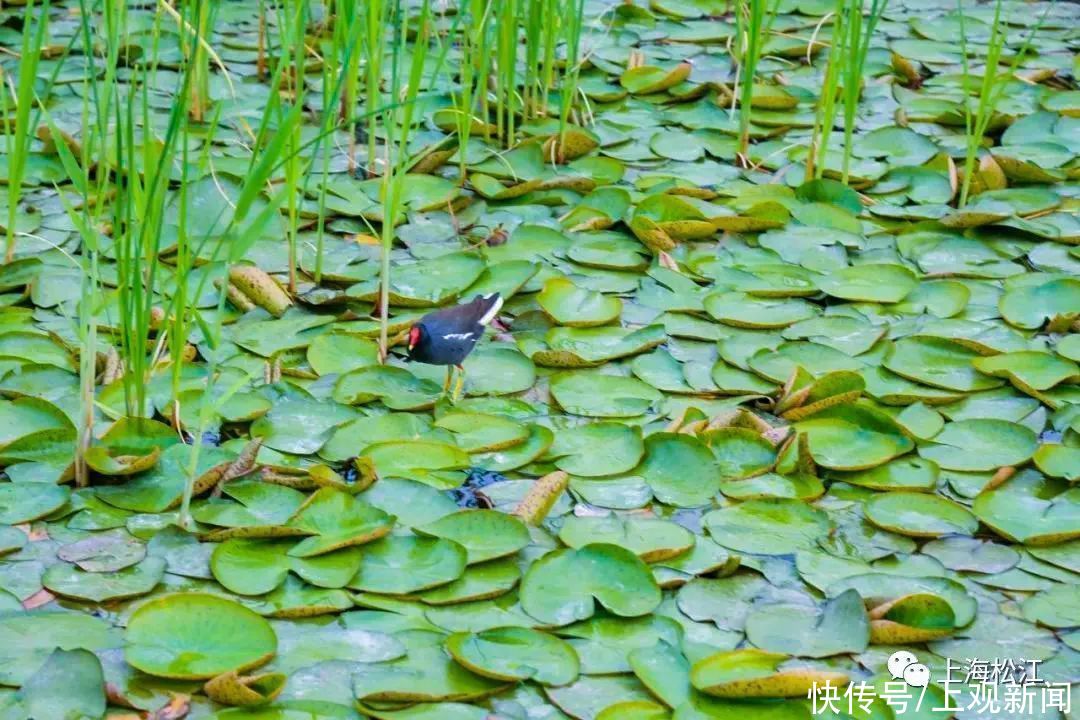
column 458, row 336
column 493, row 310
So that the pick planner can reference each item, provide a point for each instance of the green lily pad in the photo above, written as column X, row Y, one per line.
column 427, row 283
column 1057, row 607
column 479, row 582
column 131, row 581
column 24, row 502
column 485, row 534
column 1058, row 461
column 939, row 363
column 768, row 527
column 903, row 473
column 603, row 396
column 515, row 653
column 335, row 520
column 853, row 437
column 192, row 636
column 396, row 387
column 432, row 463
column 70, row 684
column 497, row 370
column 1032, row 509
column 870, row 283
column 840, row 626
column 255, row 567
column 597, row 449
column 1029, row 306
column 877, row 589
column 740, row 452
column 426, row 674
column 1029, row 371
column 399, row 565
column 982, row 444
column 300, row 425
column 251, row 509
column 746, row 311
column 652, row 540
column 27, row 640
column 570, row 347
column 568, row 304
column 608, row 574
column 129, row 446
column 475, row 432
column 919, row 515
column 681, row 470
column 339, row 353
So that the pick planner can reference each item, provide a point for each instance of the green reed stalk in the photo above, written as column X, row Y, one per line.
column 397, row 159
column 506, row 43
column 376, row 17
column 294, row 57
column 551, row 35
column 858, row 34
column 573, row 15
column 18, row 142
column 199, row 58
column 825, row 117
column 754, row 19
column 473, row 72
column 991, row 89
column 533, row 20
column 142, row 183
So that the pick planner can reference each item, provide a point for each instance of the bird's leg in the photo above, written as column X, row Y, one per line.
column 460, row 383
column 449, row 378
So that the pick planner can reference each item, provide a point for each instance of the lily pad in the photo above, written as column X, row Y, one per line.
column 1032, row 509
column 570, row 305
column 768, row 527
column 754, row 673
column 515, row 653
column 920, row 515
column 192, row 636
column 982, row 444
column 485, row 534
column 398, row 565
column 608, row 574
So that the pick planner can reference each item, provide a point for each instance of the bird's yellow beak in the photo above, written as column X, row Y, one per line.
column 414, row 337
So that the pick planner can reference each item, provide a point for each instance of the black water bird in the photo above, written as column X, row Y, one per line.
column 446, row 337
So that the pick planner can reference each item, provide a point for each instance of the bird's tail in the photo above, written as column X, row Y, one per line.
column 492, row 303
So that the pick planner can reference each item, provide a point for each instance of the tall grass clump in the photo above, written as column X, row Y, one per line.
column 851, row 35
column 753, row 22
column 991, row 89
column 825, row 116
column 397, row 159
column 506, row 45
column 19, row 137
column 573, row 17
column 540, row 23
column 470, row 101
column 858, row 32
column 377, row 16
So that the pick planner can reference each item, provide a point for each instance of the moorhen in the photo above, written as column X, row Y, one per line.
column 446, row 337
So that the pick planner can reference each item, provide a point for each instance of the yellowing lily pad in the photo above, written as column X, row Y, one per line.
column 752, row 673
